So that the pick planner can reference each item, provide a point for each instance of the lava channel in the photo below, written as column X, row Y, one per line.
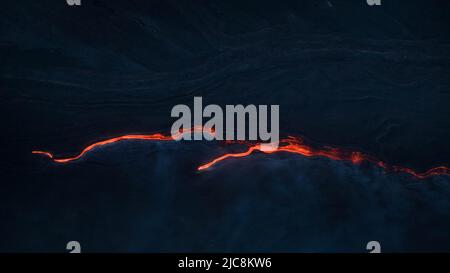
column 296, row 145
column 290, row 144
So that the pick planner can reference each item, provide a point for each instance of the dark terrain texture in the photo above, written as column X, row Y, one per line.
column 374, row 79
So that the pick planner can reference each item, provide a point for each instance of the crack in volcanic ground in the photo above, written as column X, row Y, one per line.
column 290, row 144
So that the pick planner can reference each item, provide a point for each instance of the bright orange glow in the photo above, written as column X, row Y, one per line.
column 295, row 145
column 290, row 144
column 154, row 137
column 223, row 157
column 43, row 153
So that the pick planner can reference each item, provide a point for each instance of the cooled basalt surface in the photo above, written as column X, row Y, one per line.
column 346, row 75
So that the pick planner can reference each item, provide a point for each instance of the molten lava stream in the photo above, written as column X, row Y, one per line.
column 296, row 145
column 290, row 144
column 151, row 137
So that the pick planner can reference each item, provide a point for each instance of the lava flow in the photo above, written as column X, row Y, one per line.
column 297, row 146
column 102, row 143
column 290, row 145
column 154, row 137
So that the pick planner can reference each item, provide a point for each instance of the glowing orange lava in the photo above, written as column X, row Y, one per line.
column 154, row 137
column 290, row 144
column 296, row 145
